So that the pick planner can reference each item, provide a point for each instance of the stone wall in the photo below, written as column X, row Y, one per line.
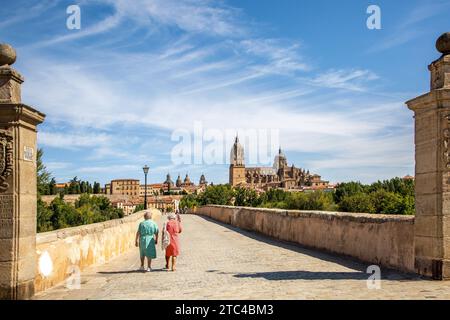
column 385, row 240
column 76, row 248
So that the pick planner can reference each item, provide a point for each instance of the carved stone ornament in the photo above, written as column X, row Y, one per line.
column 6, row 158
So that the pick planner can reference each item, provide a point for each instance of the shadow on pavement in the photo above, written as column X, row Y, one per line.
column 305, row 275
column 131, row 271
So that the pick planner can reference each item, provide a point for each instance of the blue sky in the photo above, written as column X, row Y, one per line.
column 116, row 90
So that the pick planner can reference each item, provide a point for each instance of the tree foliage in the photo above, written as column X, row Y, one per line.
column 222, row 194
column 394, row 196
column 86, row 210
column 43, row 175
column 245, row 197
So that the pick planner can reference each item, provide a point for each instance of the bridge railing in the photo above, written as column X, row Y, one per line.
column 384, row 240
column 63, row 254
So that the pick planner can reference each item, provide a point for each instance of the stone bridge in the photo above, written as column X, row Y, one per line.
column 221, row 261
column 232, row 252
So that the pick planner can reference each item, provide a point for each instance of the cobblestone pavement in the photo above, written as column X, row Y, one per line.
column 221, row 262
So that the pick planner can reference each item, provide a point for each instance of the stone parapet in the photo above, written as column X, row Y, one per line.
column 71, row 250
column 385, row 240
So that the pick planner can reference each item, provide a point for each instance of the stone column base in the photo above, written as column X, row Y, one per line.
column 437, row 269
column 22, row 291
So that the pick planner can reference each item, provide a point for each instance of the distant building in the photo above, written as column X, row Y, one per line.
column 152, row 189
column 183, row 186
column 62, row 185
column 164, row 203
column 408, row 177
column 126, row 187
column 168, row 184
column 280, row 175
column 202, row 181
column 127, row 207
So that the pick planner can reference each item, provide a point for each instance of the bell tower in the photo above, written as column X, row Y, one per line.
column 237, row 164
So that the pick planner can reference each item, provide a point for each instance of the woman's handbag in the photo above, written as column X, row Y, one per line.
column 165, row 237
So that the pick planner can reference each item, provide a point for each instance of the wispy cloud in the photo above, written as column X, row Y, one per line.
column 116, row 100
column 345, row 79
column 73, row 141
column 33, row 11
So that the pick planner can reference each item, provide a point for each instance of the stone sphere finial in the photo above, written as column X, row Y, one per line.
column 7, row 54
column 443, row 43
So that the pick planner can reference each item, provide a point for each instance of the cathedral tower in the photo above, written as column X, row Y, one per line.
column 237, row 164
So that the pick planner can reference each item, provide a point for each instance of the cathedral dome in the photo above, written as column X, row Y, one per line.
column 237, row 154
column 179, row 182
column 168, row 180
column 202, row 180
column 187, row 180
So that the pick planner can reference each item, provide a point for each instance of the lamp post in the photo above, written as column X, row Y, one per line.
column 146, row 168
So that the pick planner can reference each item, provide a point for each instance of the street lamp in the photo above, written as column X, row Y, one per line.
column 145, row 168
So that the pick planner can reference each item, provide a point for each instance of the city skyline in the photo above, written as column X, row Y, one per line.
column 133, row 74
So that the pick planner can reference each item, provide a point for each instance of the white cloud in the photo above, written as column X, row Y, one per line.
column 345, row 79
column 106, row 100
column 73, row 141
column 109, row 169
column 55, row 165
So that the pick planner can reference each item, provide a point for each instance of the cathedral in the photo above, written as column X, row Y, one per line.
column 280, row 175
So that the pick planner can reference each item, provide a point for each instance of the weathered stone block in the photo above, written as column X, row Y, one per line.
column 10, row 82
column 427, row 204
column 426, row 183
column 428, row 247
column 428, row 226
column 6, row 249
column 426, row 154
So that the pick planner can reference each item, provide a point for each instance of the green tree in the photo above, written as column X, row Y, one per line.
column 359, row 202
column 220, row 194
column 245, row 197
column 96, row 188
column 64, row 214
column 404, row 187
column 52, row 186
column 386, row 202
column 189, row 201
column 44, row 216
column 317, row 200
column 43, row 175
column 348, row 189
column 274, row 195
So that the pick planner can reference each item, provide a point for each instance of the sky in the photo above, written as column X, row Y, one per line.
column 139, row 78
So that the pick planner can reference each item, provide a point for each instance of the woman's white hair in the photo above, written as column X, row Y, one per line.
column 148, row 214
column 171, row 216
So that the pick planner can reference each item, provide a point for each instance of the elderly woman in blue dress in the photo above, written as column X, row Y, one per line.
column 146, row 240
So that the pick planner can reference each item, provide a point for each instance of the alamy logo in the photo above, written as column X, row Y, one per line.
column 374, row 20
column 374, row 280
column 73, row 21
column 73, row 282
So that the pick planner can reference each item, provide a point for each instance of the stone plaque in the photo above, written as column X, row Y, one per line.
column 28, row 153
column 6, row 206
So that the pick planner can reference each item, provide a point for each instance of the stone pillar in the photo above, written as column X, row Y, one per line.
column 17, row 184
column 432, row 141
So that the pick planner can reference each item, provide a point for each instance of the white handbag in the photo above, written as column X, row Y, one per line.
column 165, row 238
